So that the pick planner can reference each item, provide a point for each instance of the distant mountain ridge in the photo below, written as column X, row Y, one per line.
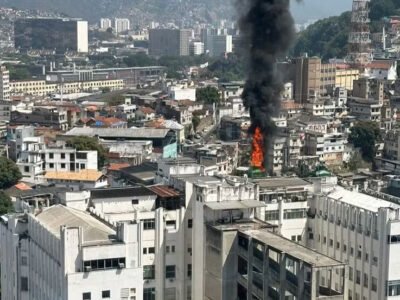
column 139, row 10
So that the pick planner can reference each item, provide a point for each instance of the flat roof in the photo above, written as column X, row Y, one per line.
column 93, row 230
column 164, row 191
column 235, row 204
column 360, row 200
column 120, row 192
column 281, row 182
column 293, row 249
column 83, row 175
column 145, row 133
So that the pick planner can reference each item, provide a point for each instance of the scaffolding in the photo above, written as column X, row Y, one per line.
column 360, row 53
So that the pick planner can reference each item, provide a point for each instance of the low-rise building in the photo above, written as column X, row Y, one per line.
column 45, row 116
column 64, row 253
column 76, row 181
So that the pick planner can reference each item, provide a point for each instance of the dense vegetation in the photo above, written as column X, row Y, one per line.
column 9, row 173
column 327, row 38
column 364, row 135
column 85, row 143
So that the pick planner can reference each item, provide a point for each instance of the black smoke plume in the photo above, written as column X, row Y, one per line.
column 267, row 30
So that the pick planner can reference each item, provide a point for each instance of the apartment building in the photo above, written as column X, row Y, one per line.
column 286, row 205
column 4, row 84
column 330, row 147
column 46, row 116
column 392, row 144
column 66, row 254
column 362, row 231
column 169, row 42
column 44, row 88
column 365, row 109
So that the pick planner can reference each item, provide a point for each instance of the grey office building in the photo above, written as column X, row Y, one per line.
column 169, row 42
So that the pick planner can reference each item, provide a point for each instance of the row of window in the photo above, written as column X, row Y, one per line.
column 273, row 215
column 356, row 276
column 103, row 264
column 344, row 249
column 104, row 295
column 150, row 224
column 149, row 272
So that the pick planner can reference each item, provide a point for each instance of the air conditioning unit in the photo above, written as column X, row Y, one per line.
column 147, row 281
column 171, row 280
column 121, row 265
column 88, row 268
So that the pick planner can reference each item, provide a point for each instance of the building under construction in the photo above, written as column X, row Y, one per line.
column 360, row 53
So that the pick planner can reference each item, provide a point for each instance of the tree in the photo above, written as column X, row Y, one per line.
column 85, row 143
column 365, row 135
column 208, row 95
column 9, row 173
column 195, row 122
column 6, row 205
column 355, row 161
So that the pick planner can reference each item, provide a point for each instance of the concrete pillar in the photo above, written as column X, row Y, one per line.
column 250, row 269
column 300, row 280
column 159, row 254
column 282, row 276
column 198, row 251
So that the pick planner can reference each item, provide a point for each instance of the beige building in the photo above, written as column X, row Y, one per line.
column 42, row 88
column 308, row 78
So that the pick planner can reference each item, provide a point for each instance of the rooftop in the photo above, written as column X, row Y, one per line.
column 164, row 191
column 234, row 204
column 360, row 200
column 93, row 230
column 293, row 249
column 121, row 192
column 281, row 182
column 121, row 132
column 83, row 175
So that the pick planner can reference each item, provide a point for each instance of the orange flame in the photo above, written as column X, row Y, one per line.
column 257, row 152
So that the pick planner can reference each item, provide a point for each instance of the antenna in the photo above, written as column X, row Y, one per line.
column 360, row 53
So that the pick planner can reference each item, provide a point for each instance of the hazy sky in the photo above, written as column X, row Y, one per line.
column 318, row 9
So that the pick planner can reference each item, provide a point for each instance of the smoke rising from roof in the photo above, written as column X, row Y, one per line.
column 267, row 28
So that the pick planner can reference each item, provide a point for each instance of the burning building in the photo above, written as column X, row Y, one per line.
column 267, row 28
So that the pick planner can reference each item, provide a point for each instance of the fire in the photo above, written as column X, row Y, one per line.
column 257, row 152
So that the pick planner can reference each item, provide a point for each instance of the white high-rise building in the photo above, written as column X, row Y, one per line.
column 105, row 23
column 4, row 84
column 121, row 25
column 66, row 254
column 196, row 48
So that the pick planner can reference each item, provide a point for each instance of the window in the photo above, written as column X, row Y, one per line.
column 358, row 277
column 62, row 166
column 350, row 273
column 366, row 257
column 393, row 288
column 330, row 243
column 149, row 224
column 83, row 166
column 151, row 250
column 294, row 213
column 171, row 224
column 272, row 215
column 149, row 294
column 105, row 294
column 86, row 296
column 51, row 156
column 337, row 245
column 345, row 248
column 173, row 248
column 24, row 284
column 359, row 254
column 24, row 260
column 190, row 223
column 324, row 239
column 62, row 155
column 366, row 280
column 189, row 270
column 242, row 266
column 351, row 251
column 149, row 272
column 144, row 250
column 374, row 284
column 167, row 249
column 51, row 166
column 170, row 271
column 26, row 169
column 135, row 201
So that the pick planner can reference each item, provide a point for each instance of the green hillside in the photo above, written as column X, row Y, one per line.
column 327, row 38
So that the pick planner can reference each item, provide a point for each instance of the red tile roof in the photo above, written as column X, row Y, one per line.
column 117, row 166
column 164, row 191
column 146, row 110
